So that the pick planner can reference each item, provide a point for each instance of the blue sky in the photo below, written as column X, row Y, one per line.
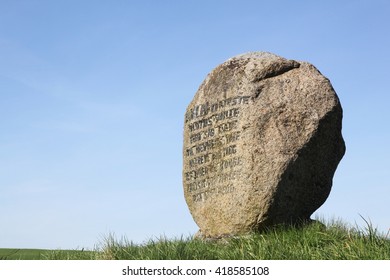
column 93, row 95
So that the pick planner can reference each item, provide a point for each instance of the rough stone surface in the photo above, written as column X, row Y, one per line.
column 262, row 140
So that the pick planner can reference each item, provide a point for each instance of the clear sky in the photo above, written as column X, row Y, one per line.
column 93, row 95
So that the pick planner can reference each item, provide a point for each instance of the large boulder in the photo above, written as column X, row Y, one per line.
column 262, row 141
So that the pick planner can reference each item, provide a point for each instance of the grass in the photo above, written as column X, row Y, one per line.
column 23, row 254
column 311, row 242
column 315, row 241
column 38, row 254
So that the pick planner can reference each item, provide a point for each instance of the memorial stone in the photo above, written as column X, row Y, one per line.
column 262, row 141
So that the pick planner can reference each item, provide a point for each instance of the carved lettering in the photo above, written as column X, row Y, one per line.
column 212, row 155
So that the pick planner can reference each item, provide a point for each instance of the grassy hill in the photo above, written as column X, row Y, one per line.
column 38, row 254
column 21, row 254
column 315, row 241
